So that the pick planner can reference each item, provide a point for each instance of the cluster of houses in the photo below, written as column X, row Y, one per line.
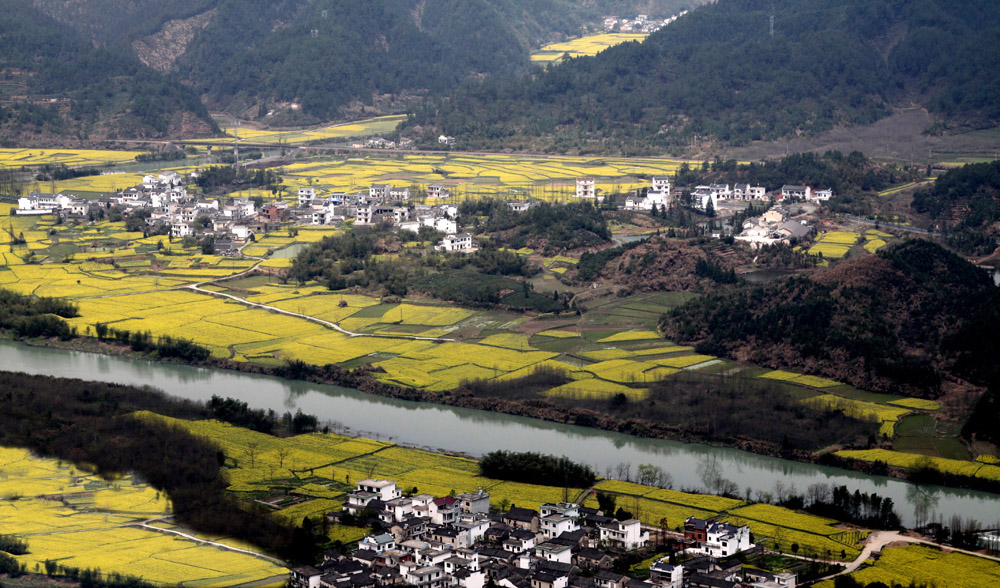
column 455, row 541
column 659, row 194
column 380, row 143
column 640, row 24
column 170, row 207
column 784, row 225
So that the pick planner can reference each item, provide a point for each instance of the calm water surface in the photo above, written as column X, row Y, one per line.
column 476, row 432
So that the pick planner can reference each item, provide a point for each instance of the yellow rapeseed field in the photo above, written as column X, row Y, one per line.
column 87, row 527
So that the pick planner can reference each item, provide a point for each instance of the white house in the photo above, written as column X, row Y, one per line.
column 180, row 230
column 553, row 552
column 459, row 242
column 585, row 188
column 660, row 184
column 305, row 577
column 725, row 540
column 379, row 191
column 378, row 543
column 627, row 535
column 667, row 574
column 556, row 524
column 402, row 194
column 371, row 489
column 421, row 576
column 703, row 196
column 307, row 196
column 440, row 223
column 794, row 191
column 748, row 192
column 43, row 203
column 823, row 195
column 519, row 206
column 436, row 191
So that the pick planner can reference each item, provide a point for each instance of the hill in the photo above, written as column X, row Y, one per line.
column 54, row 83
column 913, row 319
column 965, row 202
column 332, row 59
column 718, row 74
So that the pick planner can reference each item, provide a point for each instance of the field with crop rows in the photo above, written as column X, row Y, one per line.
column 926, row 566
column 69, row 157
column 835, row 244
column 76, row 518
column 315, row 461
column 887, row 415
column 473, row 176
column 584, row 46
column 382, row 125
column 909, row 460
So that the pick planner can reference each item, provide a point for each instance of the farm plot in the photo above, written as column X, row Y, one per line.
column 77, row 519
column 910, row 460
column 584, row 46
column 918, row 564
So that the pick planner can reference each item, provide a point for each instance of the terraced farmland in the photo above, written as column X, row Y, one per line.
column 80, row 520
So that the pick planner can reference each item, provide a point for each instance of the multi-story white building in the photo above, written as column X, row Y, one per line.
column 725, row 540
column 626, row 535
column 459, row 242
column 307, row 195
column 585, row 188
column 371, row 489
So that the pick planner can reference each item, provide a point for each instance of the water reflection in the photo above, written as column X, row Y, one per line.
column 477, row 432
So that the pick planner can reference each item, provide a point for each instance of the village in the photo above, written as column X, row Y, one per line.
column 165, row 205
column 457, row 541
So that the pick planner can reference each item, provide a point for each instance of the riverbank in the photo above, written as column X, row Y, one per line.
column 362, row 379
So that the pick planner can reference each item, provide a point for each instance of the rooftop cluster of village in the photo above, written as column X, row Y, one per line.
column 456, row 541
column 640, row 24
column 165, row 205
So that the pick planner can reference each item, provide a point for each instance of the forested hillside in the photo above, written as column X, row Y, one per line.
column 55, row 83
column 965, row 202
column 907, row 320
column 717, row 73
column 334, row 58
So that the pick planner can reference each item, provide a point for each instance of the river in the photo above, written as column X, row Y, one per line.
column 477, row 432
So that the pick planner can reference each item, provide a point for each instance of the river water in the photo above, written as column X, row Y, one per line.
column 477, row 432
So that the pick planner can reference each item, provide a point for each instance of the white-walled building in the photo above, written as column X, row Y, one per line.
column 459, row 242
column 371, row 489
column 794, row 191
column 667, row 574
column 585, row 188
column 627, row 535
column 725, row 540
column 748, row 192
column 307, row 195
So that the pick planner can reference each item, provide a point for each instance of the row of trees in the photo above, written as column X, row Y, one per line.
column 163, row 346
column 240, row 414
column 29, row 316
column 536, row 468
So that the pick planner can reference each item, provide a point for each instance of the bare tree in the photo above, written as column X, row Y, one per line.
column 283, row 453
column 251, row 450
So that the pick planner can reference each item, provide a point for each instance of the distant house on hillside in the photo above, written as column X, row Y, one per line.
column 796, row 191
column 585, row 188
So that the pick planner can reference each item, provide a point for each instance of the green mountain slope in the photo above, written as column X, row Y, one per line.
column 55, row 83
column 915, row 318
column 334, row 58
column 718, row 73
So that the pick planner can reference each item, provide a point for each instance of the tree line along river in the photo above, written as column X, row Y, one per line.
column 476, row 432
